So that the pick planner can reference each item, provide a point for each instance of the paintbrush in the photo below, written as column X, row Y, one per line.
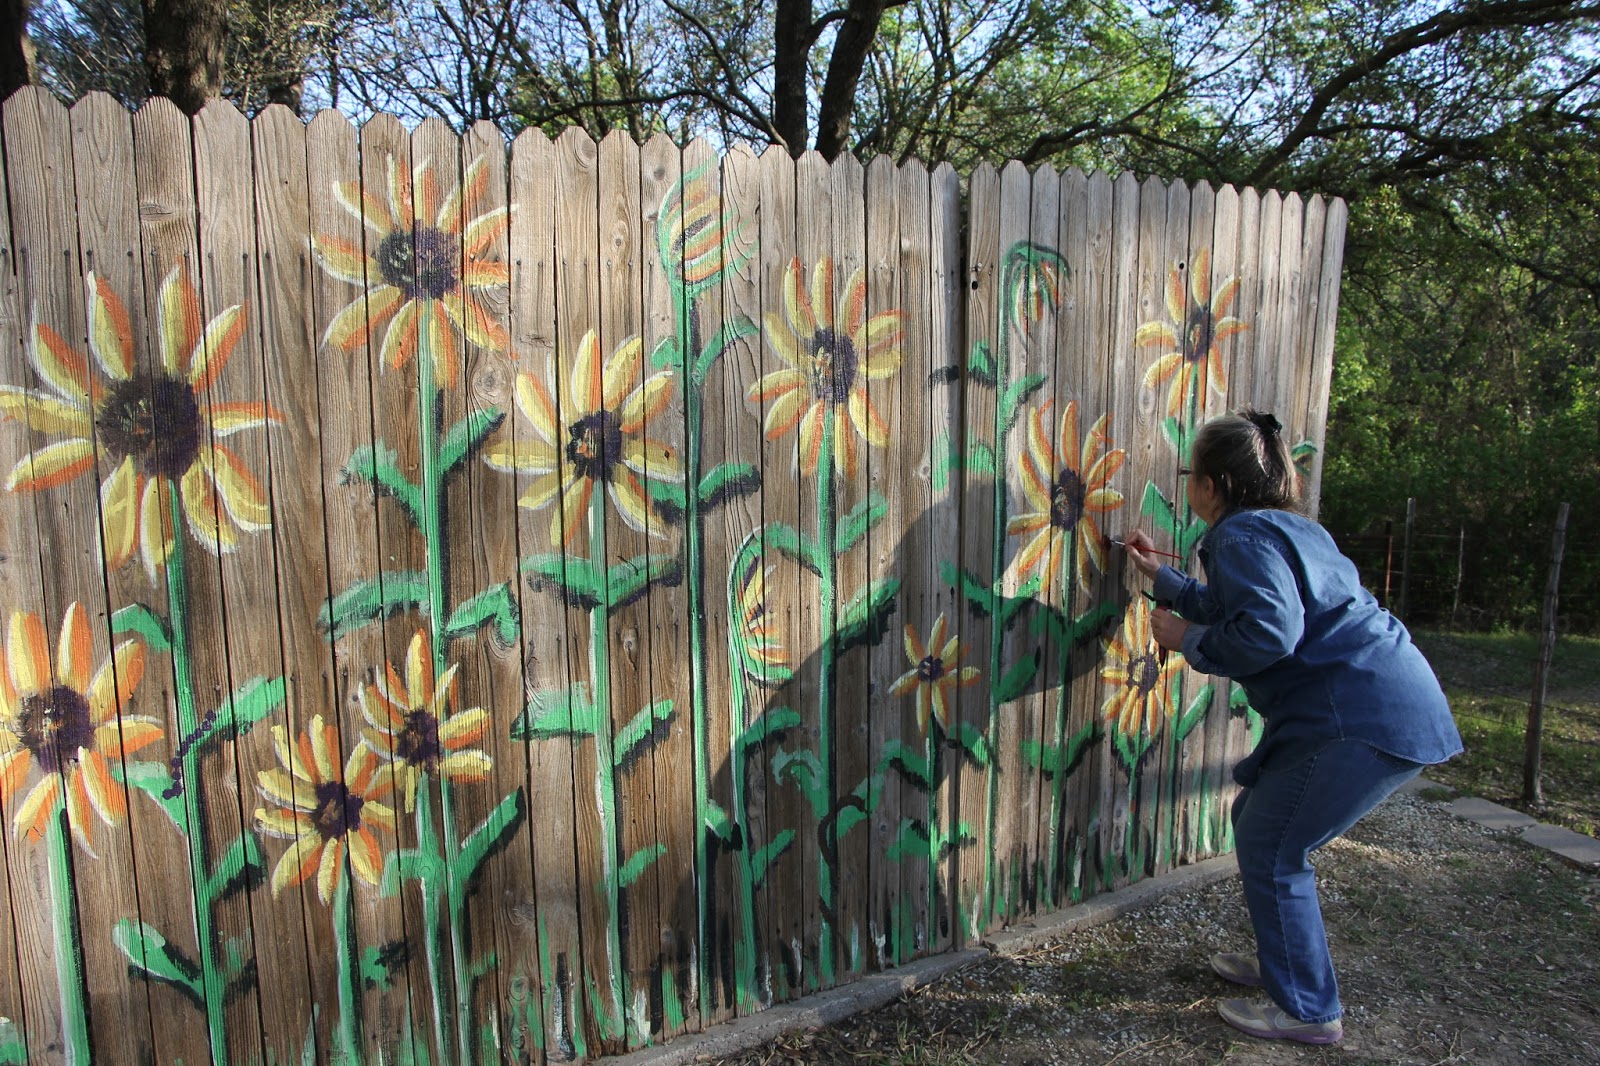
column 1115, row 543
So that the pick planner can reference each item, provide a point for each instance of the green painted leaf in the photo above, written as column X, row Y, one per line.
column 148, row 952
column 762, row 861
column 671, row 498
column 772, row 722
column 1196, row 711
column 154, row 779
column 466, row 437
column 409, row 864
column 496, row 830
column 1158, row 507
column 964, row 838
column 979, row 597
column 805, row 771
column 1172, row 429
column 862, row 517
column 1082, row 627
column 980, row 364
column 557, row 712
column 254, row 700
column 1191, row 536
column 913, row 765
column 373, row 599
column 1011, row 606
column 911, row 842
column 943, row 460
column 1017, row 394
column 665, row 356
column 379, row 466
column 718, row 822
column 497, row 605
column 849, row 818
column 1015, row 681
column 632, row 578
column 1302, row 454
column 731, row 331
column 865, row 619
column 638, row 729
column 139, row 620
column 577, row 581
column 980, row 459
column 728, row 481
column 1237, row 699
column 973, row 742
column 13, row 1049
column 380, row 964
column 785, row 539
column 238, row 867
column 1056, row 759
column 638, row 863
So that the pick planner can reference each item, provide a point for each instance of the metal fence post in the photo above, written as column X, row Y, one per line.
column 1461, row 559
column 1405, row 557
column 1531, row 792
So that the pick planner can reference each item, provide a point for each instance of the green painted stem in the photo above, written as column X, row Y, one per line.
column 935, row 753
column 1058, row 783
column 738, row 712
column 437, row 882
column 687, row 326
column 826, row 539
column 189, row 768
column 345, row 964
column 605, row 757
column 68, row 936
column 1002, row 376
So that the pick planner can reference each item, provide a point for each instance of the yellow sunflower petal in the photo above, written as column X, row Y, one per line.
column 466, row 727
column 587, row 387
column 646, row 402
column 297, row 863
column 284, row 824
column 28, row 654
column 34, row 813
column 653, row 459
column 156, row 525
column 215, row 347
column 46, row 414
column 63, row 369
column 782, row 340
column 330, row 869
column 419, row 670
column 915, row 651
column 121, row 737
column 535, row 402
column 1200, row 278
column 353, row 326
column 853, row 304
column 401, row 338
column 621, row 372
column 634, row 505
column 206, row 521
column 523, row 456
column 51, row 466
column 226, row 419
column 14, row 766
column 822, row 293
column 75, row 649
column 109, row 797
column 110, row 330
column 475, row 322
column 795, row 302
column 905, row 683
column 241, row 494
column 366, row 857
column 811, row 438
column 181, row 323
column 867, row 420
column 471, row 765
column 80, row 810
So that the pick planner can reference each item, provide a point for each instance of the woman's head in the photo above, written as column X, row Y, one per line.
column 1247, row 460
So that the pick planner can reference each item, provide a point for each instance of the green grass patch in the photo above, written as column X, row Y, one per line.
column 1488, row 678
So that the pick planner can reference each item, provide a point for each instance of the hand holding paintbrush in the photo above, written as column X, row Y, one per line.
column 1142, row 552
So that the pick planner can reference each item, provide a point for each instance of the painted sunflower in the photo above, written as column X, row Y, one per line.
column 1038, row 290
column 1142, row 698
column 157, row 428
column 758, row 628
column 695, row 238
column 1067, row 485
column 412, row 724
column 1204, row 326
column 603, row 441
column 424, row 264
column 324, row 812
column 69, row 723
column 831, row 357
column 935, row 674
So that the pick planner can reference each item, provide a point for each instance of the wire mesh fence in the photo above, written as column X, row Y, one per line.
column 1472, row 598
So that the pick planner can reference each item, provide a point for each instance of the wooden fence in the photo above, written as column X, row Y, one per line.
column 473, row 605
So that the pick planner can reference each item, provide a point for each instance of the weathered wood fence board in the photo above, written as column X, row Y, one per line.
column 474, row 602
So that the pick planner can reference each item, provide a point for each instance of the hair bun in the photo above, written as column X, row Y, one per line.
column 1268, row 425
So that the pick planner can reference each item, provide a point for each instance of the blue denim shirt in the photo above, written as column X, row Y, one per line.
column 1286, row 617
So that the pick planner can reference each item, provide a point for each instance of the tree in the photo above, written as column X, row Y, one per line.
column 184, row 48
column 17, row 66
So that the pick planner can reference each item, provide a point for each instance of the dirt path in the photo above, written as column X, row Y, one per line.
column 1454, row 945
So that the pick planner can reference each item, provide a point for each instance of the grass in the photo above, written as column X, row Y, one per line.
column 1489, row 680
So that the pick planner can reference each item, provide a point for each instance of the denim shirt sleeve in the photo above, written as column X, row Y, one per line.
column 1187, row 596
column 1253, row 615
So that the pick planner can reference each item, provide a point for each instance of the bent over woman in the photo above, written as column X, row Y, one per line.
column 1352, row 709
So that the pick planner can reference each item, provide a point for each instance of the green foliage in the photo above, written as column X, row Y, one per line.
column 372, row 599
column 139, row 620
column 862, row 517
column 557, row 712
column 496, row 606
column 464, row 438
column 149, row 953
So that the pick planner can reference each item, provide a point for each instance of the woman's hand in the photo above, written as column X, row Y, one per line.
column 1168, row 629
column 1137, row 544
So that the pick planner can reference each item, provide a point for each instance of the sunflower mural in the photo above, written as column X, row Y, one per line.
column 332, row 818
column 427, row 266
column 1140, row 675
column 155, row 432
column 831, row 349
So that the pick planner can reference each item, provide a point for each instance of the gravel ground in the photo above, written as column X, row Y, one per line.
column 1454, row 944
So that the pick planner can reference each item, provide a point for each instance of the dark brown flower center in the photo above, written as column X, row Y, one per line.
column 418, row 744
column 153, row 418
column 595, row 445
column 1066, row 500
column 53, row 726
column 423, row 263
column 1198, row 333
column 338, row 810
column 930, row 669
column 1143, row 673
column 833, row 366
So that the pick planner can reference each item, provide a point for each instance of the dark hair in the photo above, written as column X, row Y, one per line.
column 1247, row 458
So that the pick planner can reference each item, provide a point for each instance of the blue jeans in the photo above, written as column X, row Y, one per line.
column 1289, row 812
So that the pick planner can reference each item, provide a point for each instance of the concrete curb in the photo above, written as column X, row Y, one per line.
column 1567, row 845
column 876, row 990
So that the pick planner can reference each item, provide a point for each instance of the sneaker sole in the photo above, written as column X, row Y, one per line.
column 1299, row 1038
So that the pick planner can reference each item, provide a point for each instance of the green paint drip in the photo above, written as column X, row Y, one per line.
column 70, row 980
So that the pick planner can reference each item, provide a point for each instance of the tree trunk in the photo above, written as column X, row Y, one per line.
column 16, row 48
column 791, row 47
column 850, row 49
column 183, row 50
